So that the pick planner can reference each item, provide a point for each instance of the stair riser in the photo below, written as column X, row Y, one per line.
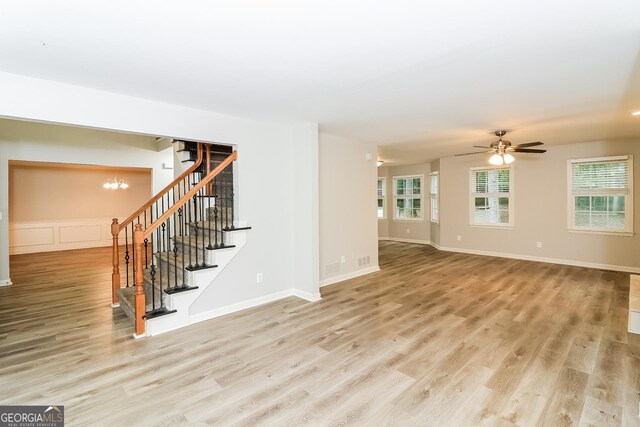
column 208, row 255
column 206, row 232
column 172, row 268
column 222, row 213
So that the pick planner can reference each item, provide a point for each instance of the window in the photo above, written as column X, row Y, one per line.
column 382, row 187
column 600, row 194
column 407, row 197
column 491, row 196
column 434, row 190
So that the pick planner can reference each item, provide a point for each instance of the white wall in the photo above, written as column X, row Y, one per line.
column 304, row 210
column 264, row 168
column 348, row 223
column 540, row 201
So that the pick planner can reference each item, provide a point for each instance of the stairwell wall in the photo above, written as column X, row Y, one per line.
column 265, row 169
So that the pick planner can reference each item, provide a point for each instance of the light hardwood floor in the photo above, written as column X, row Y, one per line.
column 435, row 338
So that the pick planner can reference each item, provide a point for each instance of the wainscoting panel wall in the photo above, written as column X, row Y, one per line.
column 46, row 236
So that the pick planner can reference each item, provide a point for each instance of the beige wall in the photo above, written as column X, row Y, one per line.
column 540, row 202
column 403, row 229
column 347, row 207
column 50, row 192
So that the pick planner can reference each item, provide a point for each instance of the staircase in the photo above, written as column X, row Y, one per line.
column 178, row 242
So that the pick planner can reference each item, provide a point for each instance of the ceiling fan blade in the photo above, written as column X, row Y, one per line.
column 480, row 146
column 528, row 144
column 475, row 152
column 528, row 150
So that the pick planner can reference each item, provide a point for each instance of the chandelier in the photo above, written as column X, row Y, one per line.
column 116, row 184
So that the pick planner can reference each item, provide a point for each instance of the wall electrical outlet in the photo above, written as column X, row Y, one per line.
column 343, row 259
column 408, row 231
column 459, row 238
column 538, row 245
column 259, row 278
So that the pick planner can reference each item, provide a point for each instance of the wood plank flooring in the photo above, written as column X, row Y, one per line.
column 434, row 339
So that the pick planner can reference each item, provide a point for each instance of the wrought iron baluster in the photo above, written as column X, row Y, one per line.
column 187, row 218
column 184, row 283
column 195, row 226
column 133, row 253
column 126, row 253
column 232, row 197
column 225, row 172
column 169, row 252
column 210, row 193
column 204, row 256
column 158, row 252
column 153, row 284
column 216, row 189
column 175, row 253
column 222, row 212
column 160, row 236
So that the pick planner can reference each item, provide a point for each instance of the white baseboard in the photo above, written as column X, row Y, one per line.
column 6, row 282
column 395, row 239
column 232, row 308
column 353, row 274
column 306, row 295
column 575, row 263
column 623, row 268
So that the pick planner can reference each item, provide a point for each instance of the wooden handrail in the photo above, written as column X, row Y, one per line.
column 189, row 195
column 165, row 190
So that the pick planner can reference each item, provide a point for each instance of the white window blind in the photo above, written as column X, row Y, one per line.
column 600, row 194
column 491, row 196
column 605, row 176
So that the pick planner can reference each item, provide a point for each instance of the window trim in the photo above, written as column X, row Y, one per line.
column 383, row 197
column 435, row 196
column 472, row 195
column 628, row 214
column 395, row 197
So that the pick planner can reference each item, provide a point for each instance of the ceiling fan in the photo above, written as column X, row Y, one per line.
column 502, row 149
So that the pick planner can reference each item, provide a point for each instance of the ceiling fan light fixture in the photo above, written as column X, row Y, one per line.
column 508, row 158
column 380, row 162
column 496, row 160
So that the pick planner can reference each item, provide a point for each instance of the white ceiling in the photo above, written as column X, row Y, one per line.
column 421, row 79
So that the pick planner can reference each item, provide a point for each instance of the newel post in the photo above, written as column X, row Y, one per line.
column 115, row 276
column 138, row 240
